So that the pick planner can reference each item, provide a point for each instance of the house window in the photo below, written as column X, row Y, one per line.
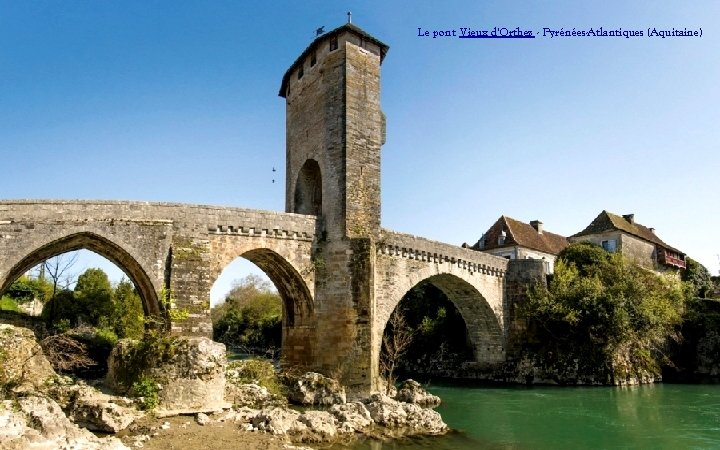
column 300, row 72
column 313, row 60
column 333, row 43
column 610, row 245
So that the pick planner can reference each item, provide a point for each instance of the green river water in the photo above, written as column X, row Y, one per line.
column 661, row 416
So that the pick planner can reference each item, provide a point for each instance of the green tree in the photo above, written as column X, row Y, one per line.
column 250, row 316
column 699, row 277
column 62, row 307
column 607, row 310
column 7, row 303
column 128, row 311
column 94, row 297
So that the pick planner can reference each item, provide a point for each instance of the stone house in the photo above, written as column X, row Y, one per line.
column 637, row 242
column 513, row 239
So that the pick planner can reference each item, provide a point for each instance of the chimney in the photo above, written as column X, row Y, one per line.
column 629, row 217
column 537, row 225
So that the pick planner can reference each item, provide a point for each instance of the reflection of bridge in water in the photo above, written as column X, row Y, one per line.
column 340, row 274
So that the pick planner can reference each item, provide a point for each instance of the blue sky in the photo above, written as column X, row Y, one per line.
column 177, row 101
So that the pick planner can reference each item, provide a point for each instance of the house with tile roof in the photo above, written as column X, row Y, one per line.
column 513, row 239
column 638, row 242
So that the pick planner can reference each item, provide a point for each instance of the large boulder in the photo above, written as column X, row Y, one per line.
column 23, row 366
column 404, row 418
column 352, row 416
column 189, row 373
column 97, row 411
column 39, row 423
column 316, row 389
column 279, row 421
column 321, row 426
column 251, row 395
column 410, row 391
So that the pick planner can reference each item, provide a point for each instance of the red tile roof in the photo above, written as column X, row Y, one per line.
column 522, row 234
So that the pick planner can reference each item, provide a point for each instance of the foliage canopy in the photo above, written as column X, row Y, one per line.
column 250, row 317
column 601, row 307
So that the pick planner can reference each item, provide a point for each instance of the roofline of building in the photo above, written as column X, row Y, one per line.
column 316, row 43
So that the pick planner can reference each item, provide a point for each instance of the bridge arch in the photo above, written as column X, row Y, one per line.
column 118, row 254
column 308, row 189
column 484, row 328
column 283, row 266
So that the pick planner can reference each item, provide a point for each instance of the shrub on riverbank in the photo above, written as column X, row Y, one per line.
column 600, row 308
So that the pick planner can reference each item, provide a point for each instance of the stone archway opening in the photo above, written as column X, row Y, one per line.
column 80, row 301
column 104, row 249
column 451, row 324
column 308, row 189
column 97, row 245
column 439, row 341
column 261, row 306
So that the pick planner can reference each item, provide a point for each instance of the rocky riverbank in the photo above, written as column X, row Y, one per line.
column 41, row 409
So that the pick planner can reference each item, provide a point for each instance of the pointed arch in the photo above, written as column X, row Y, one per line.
column 103, row 247
column 483, row 327
column 308, row 189
column 297, row 300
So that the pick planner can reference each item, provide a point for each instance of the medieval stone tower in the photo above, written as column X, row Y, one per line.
column 334, row 132
column 335, row 129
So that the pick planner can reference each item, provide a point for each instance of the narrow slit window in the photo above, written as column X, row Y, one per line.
column 313, row 60
column 333, row 43
column 300, row 72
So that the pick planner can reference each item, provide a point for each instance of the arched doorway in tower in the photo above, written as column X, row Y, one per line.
column 308, row 189
column 440, row 324
column 258, row 302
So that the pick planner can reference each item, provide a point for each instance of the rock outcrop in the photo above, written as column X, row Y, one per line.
column 352, row 417
column 316, row 389
column 407, row 418
column 410, row 391
column 190, row 376
column 39, row 423
column 23, row 366
column 251, row 395
column 96, row 411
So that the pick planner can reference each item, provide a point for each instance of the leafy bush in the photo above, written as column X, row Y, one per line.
column 137, row 356
column 440, row 342
column 146, row 389
column 256, row 371
column 600, row 307
column 8, row 304
column 250, row 317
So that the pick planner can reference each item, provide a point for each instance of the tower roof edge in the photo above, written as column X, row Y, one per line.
column 318, row 40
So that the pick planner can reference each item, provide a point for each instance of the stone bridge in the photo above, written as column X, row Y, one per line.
column 184, row 248
column 339, row 273
column 163, row 245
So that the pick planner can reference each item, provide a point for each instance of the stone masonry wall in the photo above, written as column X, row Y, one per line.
column 473, row 281
column 184, row 247
column 522, row 274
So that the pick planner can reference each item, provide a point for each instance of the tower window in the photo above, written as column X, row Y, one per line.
column 313, row 60
column 300, row 72
column 333, row 43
